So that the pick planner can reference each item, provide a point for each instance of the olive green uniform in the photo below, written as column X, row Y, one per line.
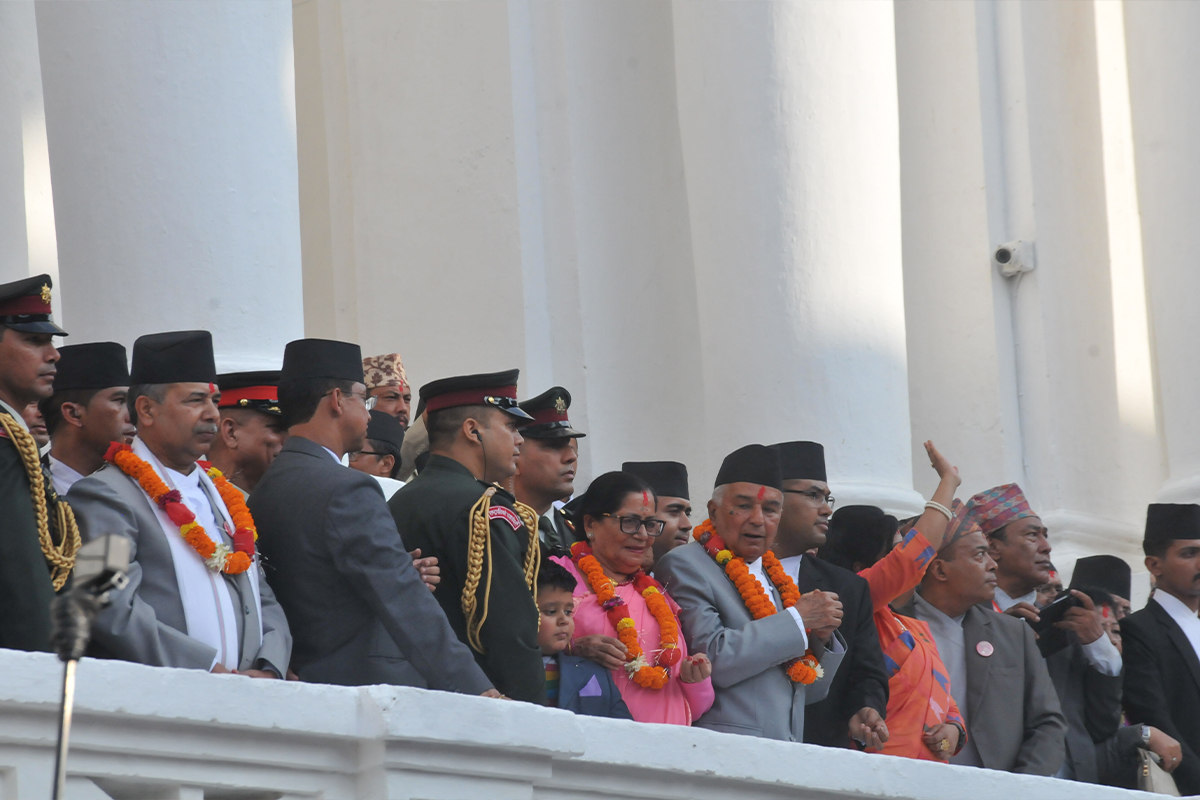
column 432, row 513
column 25, row 588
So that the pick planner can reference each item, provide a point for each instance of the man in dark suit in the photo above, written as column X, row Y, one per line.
column 359, row 612
column 1161, row 642
column 998, row 677
column 1083, row 664
column 484, row 540
column 546, row 466
column 858, row 696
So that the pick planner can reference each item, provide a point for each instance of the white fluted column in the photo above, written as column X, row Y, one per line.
column 1163, row 62
column 788, row 115
column 27, row 242
column 171, row 129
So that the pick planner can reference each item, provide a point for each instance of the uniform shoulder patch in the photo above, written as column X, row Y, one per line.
column 505, row 513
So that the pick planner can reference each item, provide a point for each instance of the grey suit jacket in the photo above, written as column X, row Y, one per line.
column 145, row 622
column 754, row 695
column 1013, row 714
column 358, row 608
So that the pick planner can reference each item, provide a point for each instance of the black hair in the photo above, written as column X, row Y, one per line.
column 155, row 391
column 606, row 494
column 857, row 535
column 387, row 448
column 51, row 407
column 299, row 398
column 552, row 575
column 1099, row 597
column 999, row 534
column 443, row 425
column 1156, row 547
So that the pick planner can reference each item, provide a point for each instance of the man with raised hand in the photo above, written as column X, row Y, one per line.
column 998, row 677
column 359, row 610
column 772, row 651
column 196, row 597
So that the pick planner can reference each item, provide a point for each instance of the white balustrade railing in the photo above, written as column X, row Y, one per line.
column 143, row 732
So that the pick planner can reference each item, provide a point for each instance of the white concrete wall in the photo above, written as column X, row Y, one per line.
column 149, row 732
column 171, row 130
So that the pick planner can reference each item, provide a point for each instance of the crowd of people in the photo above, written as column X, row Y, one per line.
column 311, row 524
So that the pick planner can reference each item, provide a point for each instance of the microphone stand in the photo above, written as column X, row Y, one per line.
column 100, row 568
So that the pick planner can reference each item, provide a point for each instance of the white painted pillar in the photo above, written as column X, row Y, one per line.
column 27, row 243
column 172, row 141
column 1163, row 64
column 788, row 114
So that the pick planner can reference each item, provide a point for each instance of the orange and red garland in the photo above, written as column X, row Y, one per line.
column 641, row 671
column 218, row 557
column 803, row 670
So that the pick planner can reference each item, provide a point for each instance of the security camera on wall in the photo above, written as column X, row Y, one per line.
column 1014, row 257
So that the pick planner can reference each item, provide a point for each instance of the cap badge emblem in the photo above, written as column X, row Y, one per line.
column 560, row 405
column 46, row 293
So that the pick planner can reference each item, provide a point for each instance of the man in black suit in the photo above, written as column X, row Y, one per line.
column 1161, row 642
column 358, row 610
column 856, row 705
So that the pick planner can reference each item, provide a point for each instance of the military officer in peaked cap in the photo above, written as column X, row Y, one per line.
column 251, row 430
column 546, row 466
column 485, row 541
column 36, row 557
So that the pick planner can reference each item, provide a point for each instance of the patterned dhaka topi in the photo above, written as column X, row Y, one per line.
column 385, row 370
column 996, row 507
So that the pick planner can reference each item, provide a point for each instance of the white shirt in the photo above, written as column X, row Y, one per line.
column 15, row 415
column 63, row 476
column 791, row 565
column 1184, row 617
column 756, row 569
column 1102, row 654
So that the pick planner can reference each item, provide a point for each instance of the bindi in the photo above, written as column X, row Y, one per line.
column 645, row 498
column 762, row 490
column 212, row 388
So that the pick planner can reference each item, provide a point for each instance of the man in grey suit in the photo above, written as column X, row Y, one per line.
column 358, row 608
column 998, row 677
column 180, row 608
column 750, row 657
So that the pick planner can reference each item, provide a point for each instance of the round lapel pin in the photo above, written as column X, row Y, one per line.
column 985, row 649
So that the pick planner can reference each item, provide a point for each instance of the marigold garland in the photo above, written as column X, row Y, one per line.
column 217, row 557
column 640, row 669
column 805, row 669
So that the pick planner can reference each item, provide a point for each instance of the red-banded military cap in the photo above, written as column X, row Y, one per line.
column 548, row 412
column 257, row 391
column 496, row 389
column 25, row 306
column 991, row 510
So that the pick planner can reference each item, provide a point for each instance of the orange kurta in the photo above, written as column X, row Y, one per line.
column 918, row 683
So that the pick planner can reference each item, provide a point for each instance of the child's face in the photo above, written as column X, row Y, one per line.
column 557, row 607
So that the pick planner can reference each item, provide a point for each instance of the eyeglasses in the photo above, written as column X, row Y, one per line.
column 355, row 455
column 815, row 496
column 369, row 402
column 631, row 525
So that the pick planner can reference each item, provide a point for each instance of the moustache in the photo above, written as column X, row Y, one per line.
column 205, row 427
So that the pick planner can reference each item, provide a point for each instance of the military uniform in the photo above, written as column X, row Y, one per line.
column 548, row 420
column 28, row 578
column 434, row 513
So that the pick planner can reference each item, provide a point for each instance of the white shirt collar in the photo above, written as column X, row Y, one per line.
column 332, row 454
column 64, row 476
column 1184, row 617
column 1006, row 602
column 15, row 415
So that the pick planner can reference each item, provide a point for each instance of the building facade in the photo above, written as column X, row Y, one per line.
column 715, row 223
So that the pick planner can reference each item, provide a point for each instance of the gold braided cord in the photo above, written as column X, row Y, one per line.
column 61, row 557
column 533, row 554
column 479, row 540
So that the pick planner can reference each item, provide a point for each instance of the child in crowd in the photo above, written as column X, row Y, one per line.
column 572, row 683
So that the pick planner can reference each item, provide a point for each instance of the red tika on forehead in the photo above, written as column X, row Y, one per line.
column 645, row 498
column 762, row 491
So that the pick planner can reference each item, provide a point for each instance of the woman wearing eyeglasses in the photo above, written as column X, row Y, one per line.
column 624, row 620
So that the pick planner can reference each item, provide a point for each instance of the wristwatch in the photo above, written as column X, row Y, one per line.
column 1146, row 736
